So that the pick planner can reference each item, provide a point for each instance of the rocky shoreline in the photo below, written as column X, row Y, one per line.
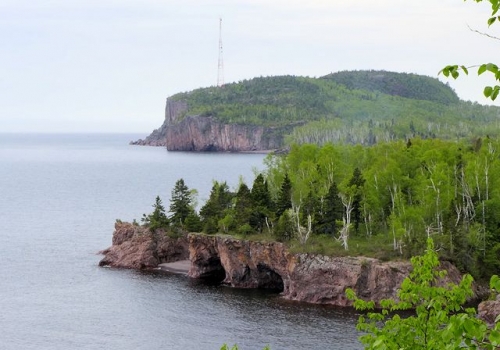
column 238, row 263
column 196, row 133
column 135, row 247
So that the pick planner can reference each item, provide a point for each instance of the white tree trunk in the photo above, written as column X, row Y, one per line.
column 344, row 231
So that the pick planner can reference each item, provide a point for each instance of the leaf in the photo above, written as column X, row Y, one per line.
column 350, row 294
column 494, row 95
column 491, row 20
column 487, row 91
column 495, row 282
column 492, row 68
column 495, row 337
column 466, row 71
column 481, row 69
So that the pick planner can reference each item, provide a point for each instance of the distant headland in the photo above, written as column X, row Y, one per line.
column 356, row 107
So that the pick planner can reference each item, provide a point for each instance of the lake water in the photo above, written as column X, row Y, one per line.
column 59, row 198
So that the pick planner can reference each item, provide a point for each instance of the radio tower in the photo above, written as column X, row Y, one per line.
column 220, row 71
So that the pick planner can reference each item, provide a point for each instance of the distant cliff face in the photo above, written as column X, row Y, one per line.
column 199, row 134
column 202, row 134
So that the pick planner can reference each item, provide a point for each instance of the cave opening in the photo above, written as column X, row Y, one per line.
column 214, row 271
column 269, row 279
column 210, row 148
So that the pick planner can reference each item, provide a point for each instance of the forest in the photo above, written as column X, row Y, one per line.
column 383, row 201
column 353, row 107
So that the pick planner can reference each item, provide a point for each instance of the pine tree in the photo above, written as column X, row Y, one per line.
column 284, row 197
column 243, row 206
column 333, row 210
column 157, row 219
column 193, row 222
column 358, row 181
column 262, row 213
column 215, row 207
column 260, row 193
column 180, row 204
column 312, row 207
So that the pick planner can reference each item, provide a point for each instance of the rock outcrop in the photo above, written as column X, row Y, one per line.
column 302, row 277
column 238, row 263
column 181, row 132
column 136, row 247
column 489, row 310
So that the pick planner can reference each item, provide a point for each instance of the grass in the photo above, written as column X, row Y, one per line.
column 376, row 246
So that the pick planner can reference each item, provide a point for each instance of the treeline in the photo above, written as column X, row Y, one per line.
column 407, row 191
column 412, row 86
column 437, row 123
column 367, row 106
column 389, row 197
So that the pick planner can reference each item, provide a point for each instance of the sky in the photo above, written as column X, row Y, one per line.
column 109, row 65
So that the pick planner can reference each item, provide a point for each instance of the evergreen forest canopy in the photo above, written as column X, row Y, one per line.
column 383, row 201
column 362, row 107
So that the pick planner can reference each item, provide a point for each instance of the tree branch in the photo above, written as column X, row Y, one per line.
column 481, row 33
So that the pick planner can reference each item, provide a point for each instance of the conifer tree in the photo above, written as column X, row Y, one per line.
column 215, row 208
column 260, row 192
column 261, row 215
column 284, row 201
column 180, row 204
column 243, row 206
column 333, row 210
column 357, row 181
column 157, row 219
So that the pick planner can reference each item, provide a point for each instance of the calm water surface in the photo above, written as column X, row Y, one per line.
column 59, row 198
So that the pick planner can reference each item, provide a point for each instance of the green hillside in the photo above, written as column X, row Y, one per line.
column 354, row 107
column 413, row 86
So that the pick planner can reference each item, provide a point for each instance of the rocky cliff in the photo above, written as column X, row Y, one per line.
column 238, row 263
column 136, row 247
column 181, row 132
column 302, row 277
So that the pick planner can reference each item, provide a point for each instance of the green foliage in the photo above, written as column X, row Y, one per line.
column 331, row 212
column 181, row 204
column 284, row 201
column 157, row 219
column 454, row 70
column 440, row 321
column 260, row 193
column 215, row 208
column 243, row 205
column 403, row 191
column 285, row 227
column 390, row 198
column 356, row 182
column 406, row 85
column 193, row 222
column 271, row 101
column 377, row 246
column 363, row 107
column 245, row 230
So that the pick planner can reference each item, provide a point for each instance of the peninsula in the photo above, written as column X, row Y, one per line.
column 355, row 107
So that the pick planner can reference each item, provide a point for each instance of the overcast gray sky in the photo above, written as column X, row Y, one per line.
column 108, row 65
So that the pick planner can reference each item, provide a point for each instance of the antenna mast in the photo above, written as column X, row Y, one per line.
column 220, row 71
